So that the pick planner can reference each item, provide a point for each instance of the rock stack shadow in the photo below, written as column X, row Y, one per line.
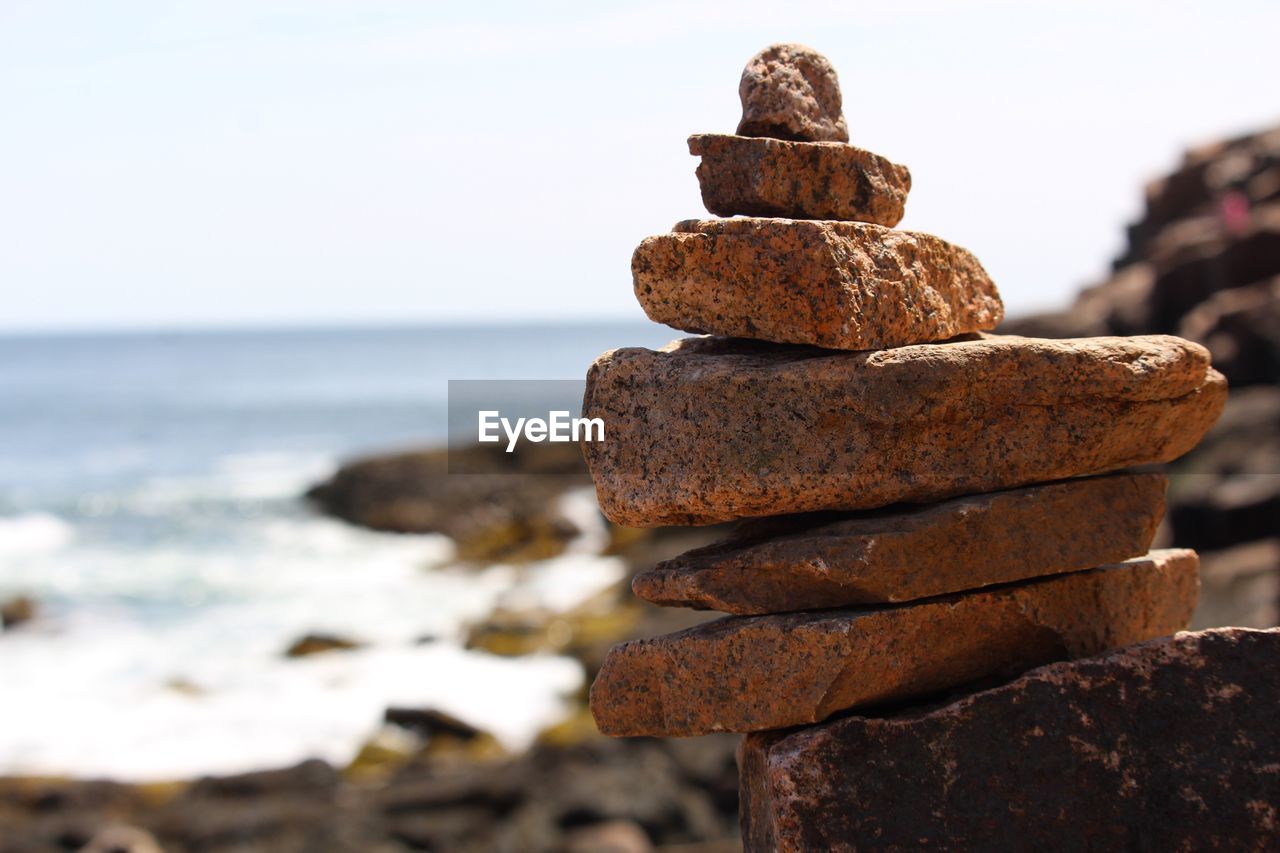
column 925, row 506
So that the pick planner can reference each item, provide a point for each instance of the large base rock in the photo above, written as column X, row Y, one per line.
column 749, row 673
column 712, row 429
column 1170, row 745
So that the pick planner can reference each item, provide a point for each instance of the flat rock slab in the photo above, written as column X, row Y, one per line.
column 713, row 429
column 839, row 285
column 758, row 176
column 820, row 560
column 750, row 673
column 1168, row 745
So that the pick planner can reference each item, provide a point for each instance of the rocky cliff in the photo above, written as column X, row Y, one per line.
column 1203, row 262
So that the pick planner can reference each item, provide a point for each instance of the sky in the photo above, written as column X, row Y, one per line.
column 313, row 162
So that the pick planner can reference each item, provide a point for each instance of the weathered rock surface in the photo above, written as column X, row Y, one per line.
column 840, row 285
column 491, row 515
column 758, row 176
column 1168, row 745
column 751, row 673
column 815, row 561
column 790, row 91
column 712, row 429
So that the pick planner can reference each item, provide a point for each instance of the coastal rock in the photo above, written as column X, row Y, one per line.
column 491, row 515
column 122, row 839
column 790, row 91
column 839, row 285
column 1241, row 329
column 816, row 561
column 1168, row 745
column 712, row 429
column 314, row 644
column 1221, row 260
column 16, row 611
column 758, row 176
column 1246, row 166
column 748, row 673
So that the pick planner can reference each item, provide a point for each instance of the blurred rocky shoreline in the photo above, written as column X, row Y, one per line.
column 425, row 780
column 1203, row 263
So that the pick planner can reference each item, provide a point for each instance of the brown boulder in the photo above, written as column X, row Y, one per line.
column 1241, row 329
column 471, row 494
column 790, row 91
column 748, row 673
column 314, row 644
column 1219, row 260
column 1168, row 745
column 814, row 561
column 757, row 176
column 712, row 429
column 17, row 611
column 840, row 285
column 1249, row 165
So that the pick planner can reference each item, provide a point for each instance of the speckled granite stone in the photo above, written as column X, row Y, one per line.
column 757, row 176
column 840, row 285
column 1168, row 745
column 790, row 91
column 818, row 560
column 749, row 673
column 714, row 429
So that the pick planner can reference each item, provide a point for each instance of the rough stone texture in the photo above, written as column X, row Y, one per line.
column 1168, row 745
column 756, row 176
column 818, row 560
column 790, row 91
column 840, row 285
column 749, row 673
column 711, row 429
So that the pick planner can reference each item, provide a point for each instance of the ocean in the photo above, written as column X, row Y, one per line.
column 150, row 501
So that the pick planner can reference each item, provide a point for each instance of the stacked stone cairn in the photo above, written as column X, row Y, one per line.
column 930, row 511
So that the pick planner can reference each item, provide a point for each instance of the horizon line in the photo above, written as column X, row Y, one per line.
column 304, row 326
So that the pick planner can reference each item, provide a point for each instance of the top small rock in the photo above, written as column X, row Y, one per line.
column 790, row 91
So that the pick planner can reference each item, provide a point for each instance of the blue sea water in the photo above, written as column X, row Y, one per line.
column 150, row 501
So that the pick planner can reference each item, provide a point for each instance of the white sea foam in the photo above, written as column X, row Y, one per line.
column 33, row 533
column 89, row 688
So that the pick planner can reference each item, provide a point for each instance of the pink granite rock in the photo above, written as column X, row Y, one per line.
column 790, row 91
column 821, row 560
column 840, row 285
column 712, row 429
column 757, row 176
column 749, row 673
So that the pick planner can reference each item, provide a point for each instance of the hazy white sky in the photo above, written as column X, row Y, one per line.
column 302, row 161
